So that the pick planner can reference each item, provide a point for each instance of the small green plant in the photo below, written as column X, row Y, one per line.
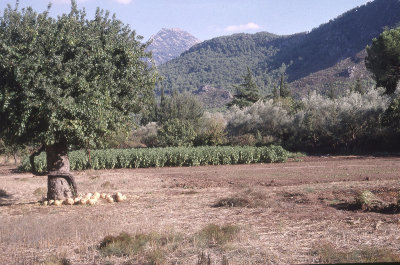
column 216, row 235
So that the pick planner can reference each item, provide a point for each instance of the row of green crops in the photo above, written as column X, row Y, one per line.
column 165, row 157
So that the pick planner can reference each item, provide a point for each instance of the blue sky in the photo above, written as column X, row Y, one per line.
column 206, row 19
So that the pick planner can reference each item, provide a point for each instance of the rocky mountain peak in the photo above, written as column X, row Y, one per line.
column 168, row 44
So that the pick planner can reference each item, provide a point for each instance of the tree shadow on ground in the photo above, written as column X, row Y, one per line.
column 354, row 207
column 4, row 197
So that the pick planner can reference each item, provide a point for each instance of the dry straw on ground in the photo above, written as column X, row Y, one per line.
column 266, row 214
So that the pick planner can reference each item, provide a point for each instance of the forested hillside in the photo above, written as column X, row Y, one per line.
column 221, row 62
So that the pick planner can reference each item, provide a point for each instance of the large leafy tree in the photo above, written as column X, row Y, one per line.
column 383, row 59
column 68, row 82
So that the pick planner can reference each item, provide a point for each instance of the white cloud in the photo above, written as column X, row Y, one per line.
column 248, row 26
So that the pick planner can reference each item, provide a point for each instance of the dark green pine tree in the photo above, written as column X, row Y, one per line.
column 283, row 87
column 383, row 59
column 247, row 92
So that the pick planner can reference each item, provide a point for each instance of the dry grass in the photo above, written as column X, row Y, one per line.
column 216, row 235
column 55, row 260
column 107, row 185
column 328, row 254
column 268, row 214
column 40, row 192
column 149, row 248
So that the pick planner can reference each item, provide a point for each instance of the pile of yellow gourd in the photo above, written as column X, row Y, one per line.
column 88, row 198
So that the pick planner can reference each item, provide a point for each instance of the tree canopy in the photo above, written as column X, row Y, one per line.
column 248, row 92
column 383, row 59
column 69, row 80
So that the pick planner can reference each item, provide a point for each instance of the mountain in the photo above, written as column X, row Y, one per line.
column 168, row 44
column 330, row 55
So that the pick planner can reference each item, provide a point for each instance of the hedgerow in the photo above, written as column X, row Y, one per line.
column 165, row 157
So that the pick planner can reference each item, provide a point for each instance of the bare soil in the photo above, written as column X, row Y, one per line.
column 286, row 211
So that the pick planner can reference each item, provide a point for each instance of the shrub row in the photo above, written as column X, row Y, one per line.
column 161, row 157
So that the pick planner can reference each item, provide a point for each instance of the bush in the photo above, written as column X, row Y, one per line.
column 264, row 119
column 243, row 140
column 349, row 123
column 211, row 130
column 146, row 135
column 176, row 132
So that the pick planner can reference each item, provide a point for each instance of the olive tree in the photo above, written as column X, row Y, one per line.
column 68, row 82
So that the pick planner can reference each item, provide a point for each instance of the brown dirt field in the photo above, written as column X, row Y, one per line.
column 289, row 211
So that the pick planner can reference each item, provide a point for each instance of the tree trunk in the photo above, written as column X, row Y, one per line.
column 60, row 183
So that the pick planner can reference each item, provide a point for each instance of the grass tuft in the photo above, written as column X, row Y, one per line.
column 123, row 244
column 215, row 235
column 249, row 198
column 329, row 254
column 232, row 202
column 151, row 248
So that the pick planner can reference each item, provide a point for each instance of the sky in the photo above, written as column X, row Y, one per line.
column 206, row 19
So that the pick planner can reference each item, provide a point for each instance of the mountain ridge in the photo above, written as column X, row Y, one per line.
column 221, row 62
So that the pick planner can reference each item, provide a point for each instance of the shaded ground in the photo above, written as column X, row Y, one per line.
column 285, row 212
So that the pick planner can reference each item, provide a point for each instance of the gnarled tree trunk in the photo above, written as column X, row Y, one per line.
column 60, row 183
